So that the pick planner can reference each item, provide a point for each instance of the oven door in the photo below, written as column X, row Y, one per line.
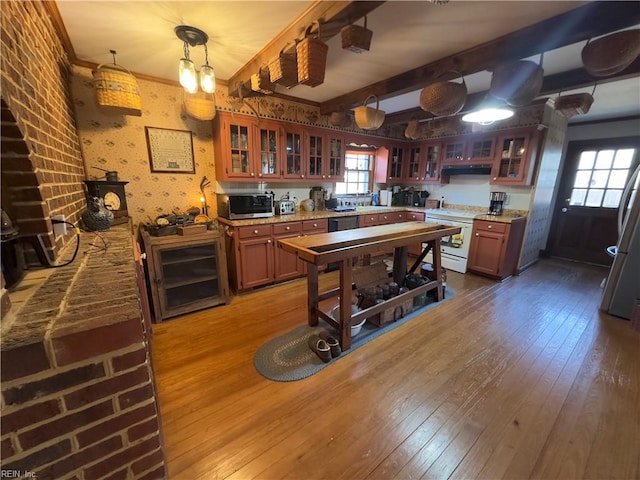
column 454, row 249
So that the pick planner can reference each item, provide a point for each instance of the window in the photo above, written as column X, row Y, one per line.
column 357, row 173
column 601, row 177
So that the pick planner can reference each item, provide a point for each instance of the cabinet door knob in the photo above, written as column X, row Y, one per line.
column 288, row 228
column 268, row 241
column 477, row 234
column 315, row 225
column 255, row 232
column 495, row 178
column 489, row 227
column 253, row 174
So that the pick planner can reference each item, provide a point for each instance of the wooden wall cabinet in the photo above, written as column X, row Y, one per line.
column 235, row 150
column 515, row 157
column 324, row 153
column 469, row 149
column 495, row 248
column 186, row 273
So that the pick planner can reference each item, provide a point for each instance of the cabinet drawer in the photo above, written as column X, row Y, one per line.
column 254, row 231
column 414, row 217
column 386, row 218
column 288, row 227
column 315, row 226
column 369, row 220
column 397, row 217
column 491, row 226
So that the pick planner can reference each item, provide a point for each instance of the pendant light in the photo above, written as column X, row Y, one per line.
column 490, row 110
column 188, row 75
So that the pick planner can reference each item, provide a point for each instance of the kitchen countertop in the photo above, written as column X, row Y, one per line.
column 508, row 217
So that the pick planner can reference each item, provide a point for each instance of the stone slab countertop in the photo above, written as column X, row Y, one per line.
column 508, row 217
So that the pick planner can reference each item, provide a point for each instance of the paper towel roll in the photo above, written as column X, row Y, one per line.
column 385, row 198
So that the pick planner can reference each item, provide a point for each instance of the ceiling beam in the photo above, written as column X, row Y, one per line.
column 589, row 21
column 333, row 15
column 551, row 85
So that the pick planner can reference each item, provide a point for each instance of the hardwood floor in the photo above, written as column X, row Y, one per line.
column 520, row 379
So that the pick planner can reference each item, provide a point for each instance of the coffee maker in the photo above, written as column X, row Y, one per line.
column 317, row 194
column 496, row 205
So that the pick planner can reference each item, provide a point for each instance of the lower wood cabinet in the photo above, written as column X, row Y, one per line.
column 495, row 248
column 186, row 273
column 256, row 259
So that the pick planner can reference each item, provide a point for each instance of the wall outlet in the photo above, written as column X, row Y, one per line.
column 59, row 228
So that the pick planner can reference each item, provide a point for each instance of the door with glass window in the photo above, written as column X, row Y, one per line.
column 591, row 185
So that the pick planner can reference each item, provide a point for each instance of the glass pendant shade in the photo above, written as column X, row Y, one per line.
column 207, row 79
column 486, row 116
column 188, row 77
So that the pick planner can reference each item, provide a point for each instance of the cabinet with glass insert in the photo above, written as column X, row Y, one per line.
column 513, row 160
column 186, row 273
column 269, row 150
column 235, row 148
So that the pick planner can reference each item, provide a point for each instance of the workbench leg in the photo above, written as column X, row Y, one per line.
column 346, row 279
column 437, row 266
column 400, row 255
column 312, row 294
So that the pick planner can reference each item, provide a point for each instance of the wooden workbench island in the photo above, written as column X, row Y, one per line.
column 342, row 246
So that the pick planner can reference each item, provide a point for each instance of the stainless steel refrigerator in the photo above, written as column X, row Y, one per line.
column 622, row 288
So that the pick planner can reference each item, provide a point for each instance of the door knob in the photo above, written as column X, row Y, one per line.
column 565, row 210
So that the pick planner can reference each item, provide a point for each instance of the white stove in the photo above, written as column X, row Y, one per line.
column 454, row 250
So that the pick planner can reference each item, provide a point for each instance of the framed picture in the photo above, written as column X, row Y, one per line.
column 170, row 151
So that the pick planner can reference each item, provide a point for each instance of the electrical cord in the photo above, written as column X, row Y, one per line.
column 75, row 253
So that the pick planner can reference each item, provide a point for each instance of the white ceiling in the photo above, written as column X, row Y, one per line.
column 406, row 35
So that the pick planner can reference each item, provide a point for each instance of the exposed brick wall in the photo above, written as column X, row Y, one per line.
column 78, row 398
column 41, row 157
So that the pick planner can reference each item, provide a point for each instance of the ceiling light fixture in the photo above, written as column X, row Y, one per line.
column 489, row 111
column 188, row 75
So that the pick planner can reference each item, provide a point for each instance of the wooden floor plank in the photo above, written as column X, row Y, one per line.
column 435, row 398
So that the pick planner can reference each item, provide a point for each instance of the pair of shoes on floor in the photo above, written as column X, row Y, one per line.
column 325, row 346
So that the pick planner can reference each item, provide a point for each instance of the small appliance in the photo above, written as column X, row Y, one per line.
column 317, row 194
column 238, row 206
column 496, row 204
column 285, row 207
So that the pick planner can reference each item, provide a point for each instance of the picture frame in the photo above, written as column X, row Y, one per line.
column 170, row 151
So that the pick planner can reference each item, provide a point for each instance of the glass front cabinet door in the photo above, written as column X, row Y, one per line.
column 512, row 159
column 269, row 151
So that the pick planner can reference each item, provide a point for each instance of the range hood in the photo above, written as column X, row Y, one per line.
column 477, row 169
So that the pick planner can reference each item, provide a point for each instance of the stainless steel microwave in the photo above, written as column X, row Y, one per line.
column 238, row 206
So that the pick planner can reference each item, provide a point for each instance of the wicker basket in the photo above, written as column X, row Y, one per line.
column 199, row 105
column 609, row 55
column 283, row 69
column 117, row 88
column 369, row 118
column 576, row 104
column 413, row 130
column 260, row 82
column 443, row 98
column 517, row 83
column 312, row 59
column 356, row 38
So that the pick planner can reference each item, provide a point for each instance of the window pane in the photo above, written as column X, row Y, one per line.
column 599, row 178
column 341, row 188
column 605, row 159
column 617, row 179
column 363, row 163
column 612, row 198
column 623, row 158
column 594, row 198
column 352, row 176
column 586, row 160
column 351, row 162
column 583, row 177
column 577, row 196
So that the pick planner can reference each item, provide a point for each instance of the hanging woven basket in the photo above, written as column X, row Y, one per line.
column 356, row 38
column 609, row 55
column 261, row 82
column 443, row 98
column 283, row 69
column 517, row 83
column 571, row 105
column 117, row 89
column 312, row 58
column 369, row 118
column 413, row 130
column 199, row 105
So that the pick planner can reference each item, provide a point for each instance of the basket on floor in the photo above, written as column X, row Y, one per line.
column 117, row 89
column 311, row 54
column 609, row 55
column 443, row 98
column 283, row 69
column 356, row 38
column 369, row 118
column 261, row 82
column 199, row 105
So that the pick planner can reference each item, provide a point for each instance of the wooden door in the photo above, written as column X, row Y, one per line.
column 586, row 208
column 286, row 265
column 256, row 262
column 486, row 252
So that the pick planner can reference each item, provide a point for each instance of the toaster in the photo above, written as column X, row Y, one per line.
column 285, row 207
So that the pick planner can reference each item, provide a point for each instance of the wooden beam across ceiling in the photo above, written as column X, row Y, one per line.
column 589, row 21
column 333, row 15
